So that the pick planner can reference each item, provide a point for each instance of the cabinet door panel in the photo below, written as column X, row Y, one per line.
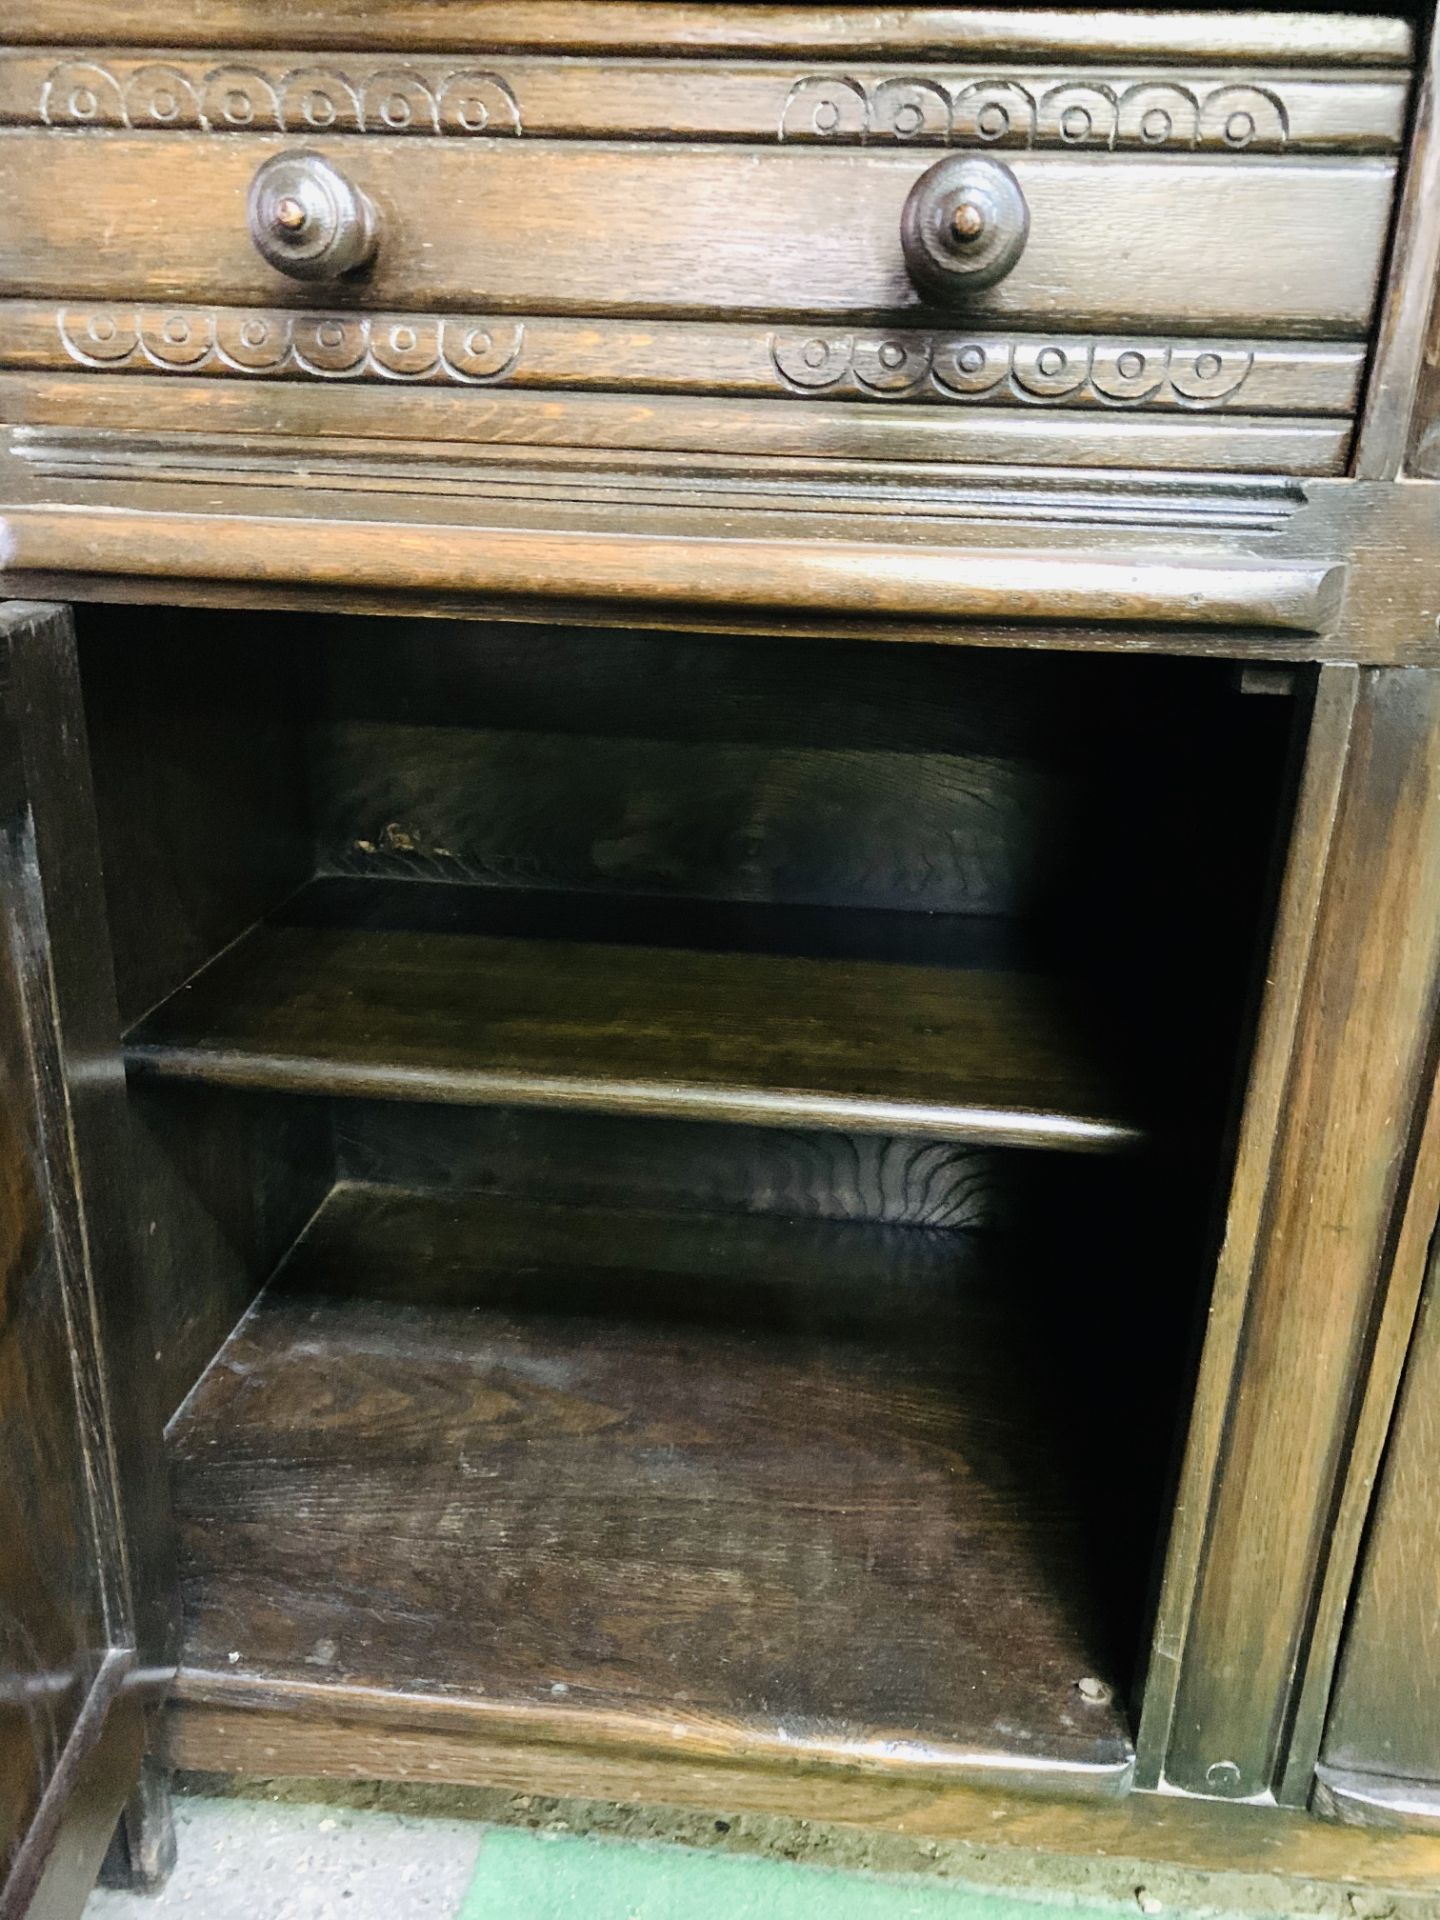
column 81, row 1614
column 1385, row 1721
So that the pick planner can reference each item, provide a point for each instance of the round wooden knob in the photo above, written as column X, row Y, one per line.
column 964, row 226
column 308, row 220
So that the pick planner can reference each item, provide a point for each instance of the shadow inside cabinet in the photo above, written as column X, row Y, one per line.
column 681, row 1170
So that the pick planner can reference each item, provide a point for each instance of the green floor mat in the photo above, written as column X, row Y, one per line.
column 528, row 1876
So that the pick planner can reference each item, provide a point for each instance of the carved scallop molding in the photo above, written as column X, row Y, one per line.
column 458, row 349
column 1160, row 115
column 306, row 99
column 319, row 97
column 1029, row 371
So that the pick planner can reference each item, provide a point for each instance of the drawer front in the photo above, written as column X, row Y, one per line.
column 695, row 254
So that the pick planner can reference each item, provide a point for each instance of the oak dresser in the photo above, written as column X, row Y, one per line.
column 720, row 872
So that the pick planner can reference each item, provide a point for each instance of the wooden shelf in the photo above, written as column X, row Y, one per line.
column 720, row 1486
column 776, row 1016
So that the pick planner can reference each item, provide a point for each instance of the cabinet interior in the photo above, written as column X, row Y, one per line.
column 679, row 1173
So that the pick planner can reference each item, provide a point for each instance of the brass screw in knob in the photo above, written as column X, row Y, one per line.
column 288, row 214
column 967, row 221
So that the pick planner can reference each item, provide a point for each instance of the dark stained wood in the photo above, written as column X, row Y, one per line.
column 199, row 763
column 1333, row 1124
column 1374, row 1415
column 55, row 1869
column 715, row 1014
column 1293, row 38
column 871, row 946
column 749, row 820
column 86, row 1577
column 607, row 1476
column 648, row 452
column 220, row 1188
column 728, row 357
column 1391, row 424
column 509, row 226
column 942, row 581
column 909, row 707
column 590, row 1159
column 1266, row 1853
column 934, row 102
column 197, row 750
column 142, row 1850
column 812, row 567
column 52, row 1603
column 1376, row 1800
column 1385, row 1715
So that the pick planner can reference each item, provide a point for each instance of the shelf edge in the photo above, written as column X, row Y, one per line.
column 764, row 1107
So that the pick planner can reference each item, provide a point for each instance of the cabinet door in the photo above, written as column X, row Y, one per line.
column 1382, row 1745
column 83, row 1620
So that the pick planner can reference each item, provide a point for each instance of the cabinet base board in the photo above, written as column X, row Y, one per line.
column 277, row 1737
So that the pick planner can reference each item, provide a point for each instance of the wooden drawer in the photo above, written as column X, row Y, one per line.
column 678, row 231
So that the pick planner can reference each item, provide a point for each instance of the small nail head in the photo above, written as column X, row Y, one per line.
column 288, row 214
column 967, row 221
column 1094, row 1691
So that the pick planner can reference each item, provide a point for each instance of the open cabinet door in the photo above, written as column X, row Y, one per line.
column 84, row 1609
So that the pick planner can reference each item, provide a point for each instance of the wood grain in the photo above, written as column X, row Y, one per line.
column 1348, row 1039
column 936, row 833
column 1114, row 242
column 730, row 357
column 769, row 1035
column 53, row 1874
column 635, row 1481
column 914, row 104
column 948, row 583
column 1385, row 1714
column 779, row 432
column 1376, row 1800
column 1403, row 1282
column 1392, row 424
column 588, row 1160
column 52, row 1597
column 1289, row 38
column 86, row 1577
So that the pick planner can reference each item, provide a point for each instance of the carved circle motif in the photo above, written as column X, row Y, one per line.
column 325, row 346
column 399, row 102
column 1005, row 113
column 826, row 107
column 408, row 349
column 97, row 337
column 176, row 338
column 474, row 352
column 82, row 94
column 1128, row 374
column 161, row 96
column 891, row 365
column 813, row 361
column 1035, row 372
column 971, row 366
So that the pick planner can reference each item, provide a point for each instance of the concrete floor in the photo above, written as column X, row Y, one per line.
column 263, row 1860
column 313, row 1850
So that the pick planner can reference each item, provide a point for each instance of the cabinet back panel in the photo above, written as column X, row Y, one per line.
column 927, row 779
column 598, row 1160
